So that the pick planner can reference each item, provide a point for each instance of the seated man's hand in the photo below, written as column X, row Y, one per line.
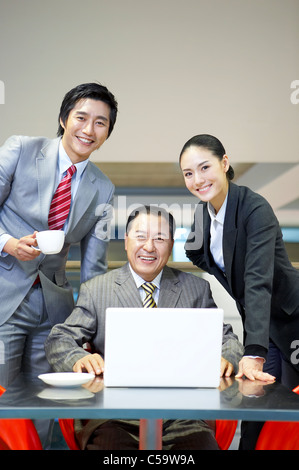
column 226, row 368
column 91, row 363
column 95, row 385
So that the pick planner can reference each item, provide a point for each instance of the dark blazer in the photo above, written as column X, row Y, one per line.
column 258, row 273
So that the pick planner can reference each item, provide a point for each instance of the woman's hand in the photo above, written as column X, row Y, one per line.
column 91, row 363
column 252, row 368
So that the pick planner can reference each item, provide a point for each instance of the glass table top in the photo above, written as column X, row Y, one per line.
column 234, row 399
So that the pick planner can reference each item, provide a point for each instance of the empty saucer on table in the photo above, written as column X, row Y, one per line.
column 66, row 379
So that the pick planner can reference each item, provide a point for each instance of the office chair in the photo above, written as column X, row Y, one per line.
column 224, row 433
column 279, row 435
column 18, row 434
column 68, row 432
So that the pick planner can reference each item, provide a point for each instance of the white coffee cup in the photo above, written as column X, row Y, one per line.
column 50, row 242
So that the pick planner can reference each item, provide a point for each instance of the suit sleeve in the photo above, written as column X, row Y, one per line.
column 232, row 349
column 64, row 345
column 9, row 157
column 194, row 245
column 94, row 245
column 261, row 229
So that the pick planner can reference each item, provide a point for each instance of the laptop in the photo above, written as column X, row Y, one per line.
column 163, row 347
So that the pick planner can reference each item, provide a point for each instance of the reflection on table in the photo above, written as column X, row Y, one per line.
column 234, row 399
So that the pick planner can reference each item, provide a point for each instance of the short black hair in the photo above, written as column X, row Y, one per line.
column 93, row 91
column 155, row 210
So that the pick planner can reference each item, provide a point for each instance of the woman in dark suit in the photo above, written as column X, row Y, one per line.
column 243, row 248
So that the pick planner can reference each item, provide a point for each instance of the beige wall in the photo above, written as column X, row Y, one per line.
column 224, row 67
column 177, row 68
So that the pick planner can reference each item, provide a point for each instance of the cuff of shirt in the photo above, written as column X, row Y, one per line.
column 3, row 240
column 255, row 350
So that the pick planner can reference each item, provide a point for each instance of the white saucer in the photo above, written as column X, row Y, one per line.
column 65, row 393
column 66, row 379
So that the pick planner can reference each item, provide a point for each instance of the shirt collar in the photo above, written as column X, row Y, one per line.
column 139, row 281
column 64, row 162
column 219, row 217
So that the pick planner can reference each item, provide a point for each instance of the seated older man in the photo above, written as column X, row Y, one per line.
column 148, row 242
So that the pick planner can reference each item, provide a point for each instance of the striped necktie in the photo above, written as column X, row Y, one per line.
column 61, row 202
column 149, row 301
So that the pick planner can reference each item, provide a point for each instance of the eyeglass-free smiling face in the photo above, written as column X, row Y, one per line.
column 86, row 129
column 205, row 175
column 148, row 244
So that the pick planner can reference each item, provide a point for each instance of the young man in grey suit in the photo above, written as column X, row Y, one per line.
column 35, row 293
column 148, row 242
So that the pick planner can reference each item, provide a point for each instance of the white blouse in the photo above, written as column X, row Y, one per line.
column 216, row 232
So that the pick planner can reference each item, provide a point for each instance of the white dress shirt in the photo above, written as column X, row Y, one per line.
column 139, row 281
column 216, row 232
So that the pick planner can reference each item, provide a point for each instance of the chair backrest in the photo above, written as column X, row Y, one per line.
column 224, row 433
column 279, row 435
column 68, row 432
column 18, row 434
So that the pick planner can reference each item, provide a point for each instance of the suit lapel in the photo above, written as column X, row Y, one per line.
column 84, row 196
column 229, row 238
column 170, row 289
column 125, row 288
column 206, row 238
column 230, row 229
column 128, row 295
column 46, row 164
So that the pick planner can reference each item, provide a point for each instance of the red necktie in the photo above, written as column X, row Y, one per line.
column 61, row 202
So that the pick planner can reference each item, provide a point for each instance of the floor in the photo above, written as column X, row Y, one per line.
column 235, row 442
column 58, row 442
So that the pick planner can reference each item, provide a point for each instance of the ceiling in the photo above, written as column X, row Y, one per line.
column 279, row 184
column 177, row 69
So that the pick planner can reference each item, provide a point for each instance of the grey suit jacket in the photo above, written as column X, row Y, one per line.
column 27, row 178
column 117, row 288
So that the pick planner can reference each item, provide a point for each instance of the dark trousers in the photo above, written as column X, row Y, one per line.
column 177, row 435
column 287, row 375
